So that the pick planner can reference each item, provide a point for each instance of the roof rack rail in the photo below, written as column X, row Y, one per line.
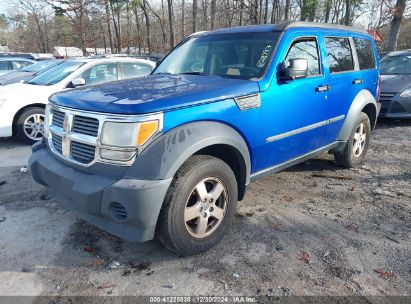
column 292, row 24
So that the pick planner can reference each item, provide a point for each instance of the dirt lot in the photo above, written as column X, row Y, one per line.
column 294, row 234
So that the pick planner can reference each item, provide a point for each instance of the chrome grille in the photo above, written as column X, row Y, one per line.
column 385, row 99
column 58, row 118
column 85, row 125
column 82, row 153
column 74, row 135
column 57, row 142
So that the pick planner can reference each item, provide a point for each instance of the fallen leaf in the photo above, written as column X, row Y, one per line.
column 305, row 256
column 287, row 199
column 105, row 285
column 352, row 227
column 89, row 249
column 98, row 262
column 384, row 274
column 278, row 227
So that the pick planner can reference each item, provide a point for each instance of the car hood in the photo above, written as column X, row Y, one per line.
column 154, row 93
column 14, row 77
column 395, row 83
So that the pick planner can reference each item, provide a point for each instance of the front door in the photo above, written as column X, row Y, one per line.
column 294, row 112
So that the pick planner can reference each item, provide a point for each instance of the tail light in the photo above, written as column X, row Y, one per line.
column 379, row 88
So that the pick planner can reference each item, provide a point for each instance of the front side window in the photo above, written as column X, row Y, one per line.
column 100, row 73
column 364, row 53
column 56, row 74
column 234, row 55
column 339, row 54
column 135, row 69
column 17, row 65
column 396, row 65
column 306, row 49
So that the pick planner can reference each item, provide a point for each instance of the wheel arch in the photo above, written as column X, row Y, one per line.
column 21, row 110
column 363, row 102
column 162, row 158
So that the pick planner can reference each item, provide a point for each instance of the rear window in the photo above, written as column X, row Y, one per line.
column 339, row 54
column 364, row 53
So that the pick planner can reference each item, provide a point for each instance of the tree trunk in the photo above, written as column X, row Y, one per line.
column 213, row 4
column 194, row 16
column 170, row 22
column 287, row 10
column 395, row 25
column 182, row 19
column 110, row 35
column 266, row 12
column 327, row 10
column 147, row 20
column 347, row 12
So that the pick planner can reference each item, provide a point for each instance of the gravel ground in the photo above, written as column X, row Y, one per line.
column 295, row 234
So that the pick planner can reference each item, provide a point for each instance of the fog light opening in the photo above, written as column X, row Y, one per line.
column 117, row 211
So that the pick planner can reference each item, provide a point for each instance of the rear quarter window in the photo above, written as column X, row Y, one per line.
column 339, row 54
column 364, row 53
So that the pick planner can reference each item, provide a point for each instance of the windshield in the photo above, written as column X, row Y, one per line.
column 394, row 65
column 56, row 74
column 38, row 66
column 237, row 55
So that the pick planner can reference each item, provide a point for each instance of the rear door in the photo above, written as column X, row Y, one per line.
column 344, row 79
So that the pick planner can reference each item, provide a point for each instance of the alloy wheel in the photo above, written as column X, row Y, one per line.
column 206, row 207
column 34, row 126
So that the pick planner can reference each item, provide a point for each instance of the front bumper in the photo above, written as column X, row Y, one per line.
column 127, row 208
column 395, row 106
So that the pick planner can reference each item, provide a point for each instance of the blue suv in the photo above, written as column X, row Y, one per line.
column 169, row 155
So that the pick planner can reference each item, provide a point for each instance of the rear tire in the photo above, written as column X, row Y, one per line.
column 199, row 206
column 30, row 125
column 357, row 144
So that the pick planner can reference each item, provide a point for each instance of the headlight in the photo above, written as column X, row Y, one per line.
column 406, row 93
column 2, row 101
column 130, row 134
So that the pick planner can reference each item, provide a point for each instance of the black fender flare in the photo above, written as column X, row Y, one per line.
column 363, row 99
column 165, row 155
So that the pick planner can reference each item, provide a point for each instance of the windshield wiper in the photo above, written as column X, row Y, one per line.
column 195, row 73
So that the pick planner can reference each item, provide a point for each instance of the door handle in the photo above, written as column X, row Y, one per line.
column 357, row 81
column 322, row 88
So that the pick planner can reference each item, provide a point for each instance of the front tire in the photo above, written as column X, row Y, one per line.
column 30, row 125
column 357, row 144
column 199, row 206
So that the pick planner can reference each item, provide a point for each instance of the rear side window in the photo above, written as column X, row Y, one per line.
column 364, row 53
column 306, row 49
column 339, row 54
column 4, row 65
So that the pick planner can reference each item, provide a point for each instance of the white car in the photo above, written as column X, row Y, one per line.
column 22, row 104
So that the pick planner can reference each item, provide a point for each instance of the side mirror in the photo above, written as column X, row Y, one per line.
column 294, row 68
column 78, row 82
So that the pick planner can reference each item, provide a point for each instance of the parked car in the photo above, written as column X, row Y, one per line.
column 28, row 72
column 8, row 64
column 395, row 97
column 22, row 104
column 172, row 153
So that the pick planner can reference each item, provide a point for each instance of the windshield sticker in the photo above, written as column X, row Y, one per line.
column 264, row 56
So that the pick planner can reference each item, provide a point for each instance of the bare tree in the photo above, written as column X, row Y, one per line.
column 110, row 35
column 195, row 6
column 396, row 24
column 170, row 22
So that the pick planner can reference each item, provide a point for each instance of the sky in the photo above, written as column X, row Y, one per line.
column 5, row 5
